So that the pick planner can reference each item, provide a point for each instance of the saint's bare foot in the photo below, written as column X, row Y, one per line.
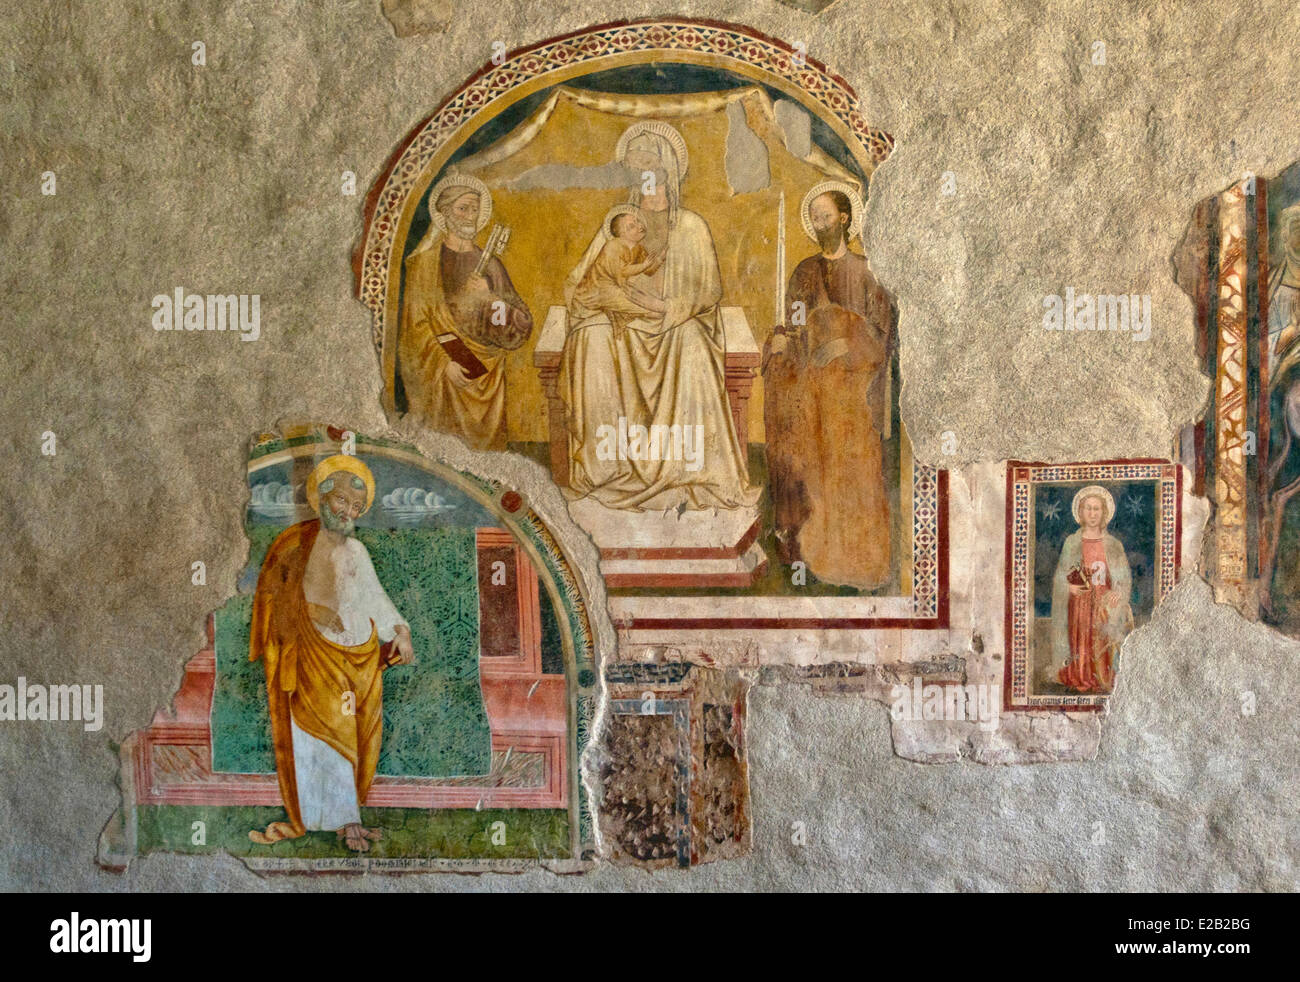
column 358, row 838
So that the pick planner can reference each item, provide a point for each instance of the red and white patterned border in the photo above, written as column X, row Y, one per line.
column 925, row 541
column 1019, row 596
column 741, row 44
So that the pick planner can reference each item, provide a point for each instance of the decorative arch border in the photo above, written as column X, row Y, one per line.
column 392, row 199
column 119, row 840
column 552, row 61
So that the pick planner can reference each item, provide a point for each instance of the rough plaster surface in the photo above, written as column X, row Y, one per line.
column 226, row 179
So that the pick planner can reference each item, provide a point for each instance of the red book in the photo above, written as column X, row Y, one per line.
column 459, row 352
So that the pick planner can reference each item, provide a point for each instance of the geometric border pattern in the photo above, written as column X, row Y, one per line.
column 667, row 36
column 925, row 541
column 1021, row 477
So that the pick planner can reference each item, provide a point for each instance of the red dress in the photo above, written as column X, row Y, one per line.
column 1090, row 668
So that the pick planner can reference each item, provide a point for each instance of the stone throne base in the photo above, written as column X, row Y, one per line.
column 657, row 549
column 673, row 549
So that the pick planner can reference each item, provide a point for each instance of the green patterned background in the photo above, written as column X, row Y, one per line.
column 435, row 724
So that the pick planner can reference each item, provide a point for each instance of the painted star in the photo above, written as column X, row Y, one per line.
column 1051, row 511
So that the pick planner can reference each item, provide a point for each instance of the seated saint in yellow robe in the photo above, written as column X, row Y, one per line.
column 444, row 296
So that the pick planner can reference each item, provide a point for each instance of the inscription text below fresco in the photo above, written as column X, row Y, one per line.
column 634, row 254
column 406, row 675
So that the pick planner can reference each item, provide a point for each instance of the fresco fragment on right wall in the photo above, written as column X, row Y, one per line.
column 1240, row 263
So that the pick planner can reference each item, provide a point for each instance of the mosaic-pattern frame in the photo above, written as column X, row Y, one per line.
column 1021, row 477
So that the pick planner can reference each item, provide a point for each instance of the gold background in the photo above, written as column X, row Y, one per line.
column 552, row 228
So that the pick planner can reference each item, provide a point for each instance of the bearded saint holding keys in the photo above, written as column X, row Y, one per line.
column 461, row 316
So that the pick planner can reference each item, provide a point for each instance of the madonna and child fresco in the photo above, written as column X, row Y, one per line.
column 593, row 256
column 662, row 373
column 596, row 276
column 635, row 256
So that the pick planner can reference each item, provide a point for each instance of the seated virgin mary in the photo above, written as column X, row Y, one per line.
column 659, row 378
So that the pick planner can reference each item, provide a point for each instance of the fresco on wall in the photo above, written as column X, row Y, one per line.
column 1091, row 549
column 635, row 255
column 405, row 675
column 1240, row 262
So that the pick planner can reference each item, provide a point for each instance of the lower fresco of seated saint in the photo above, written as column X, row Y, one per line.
column 636, row 255
column 406, row 675
column 406, row 680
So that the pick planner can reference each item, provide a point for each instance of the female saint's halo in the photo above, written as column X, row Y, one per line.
column 1094, row 491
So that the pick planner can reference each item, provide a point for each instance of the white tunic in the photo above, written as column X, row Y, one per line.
column 327, row 790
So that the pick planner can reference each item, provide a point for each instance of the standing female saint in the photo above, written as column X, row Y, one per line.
column 1090, row 597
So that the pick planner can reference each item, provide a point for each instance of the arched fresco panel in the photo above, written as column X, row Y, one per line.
column 634, row 255
column 464, row 749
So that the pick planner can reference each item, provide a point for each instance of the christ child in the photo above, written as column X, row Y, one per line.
column 618, row 282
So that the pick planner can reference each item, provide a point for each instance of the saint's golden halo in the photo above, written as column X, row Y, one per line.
column 855, row 206
column 334, row 465
column 1094, row 491
column 456, row 179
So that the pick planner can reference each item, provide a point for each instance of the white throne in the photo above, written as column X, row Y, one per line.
column 711, row 547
